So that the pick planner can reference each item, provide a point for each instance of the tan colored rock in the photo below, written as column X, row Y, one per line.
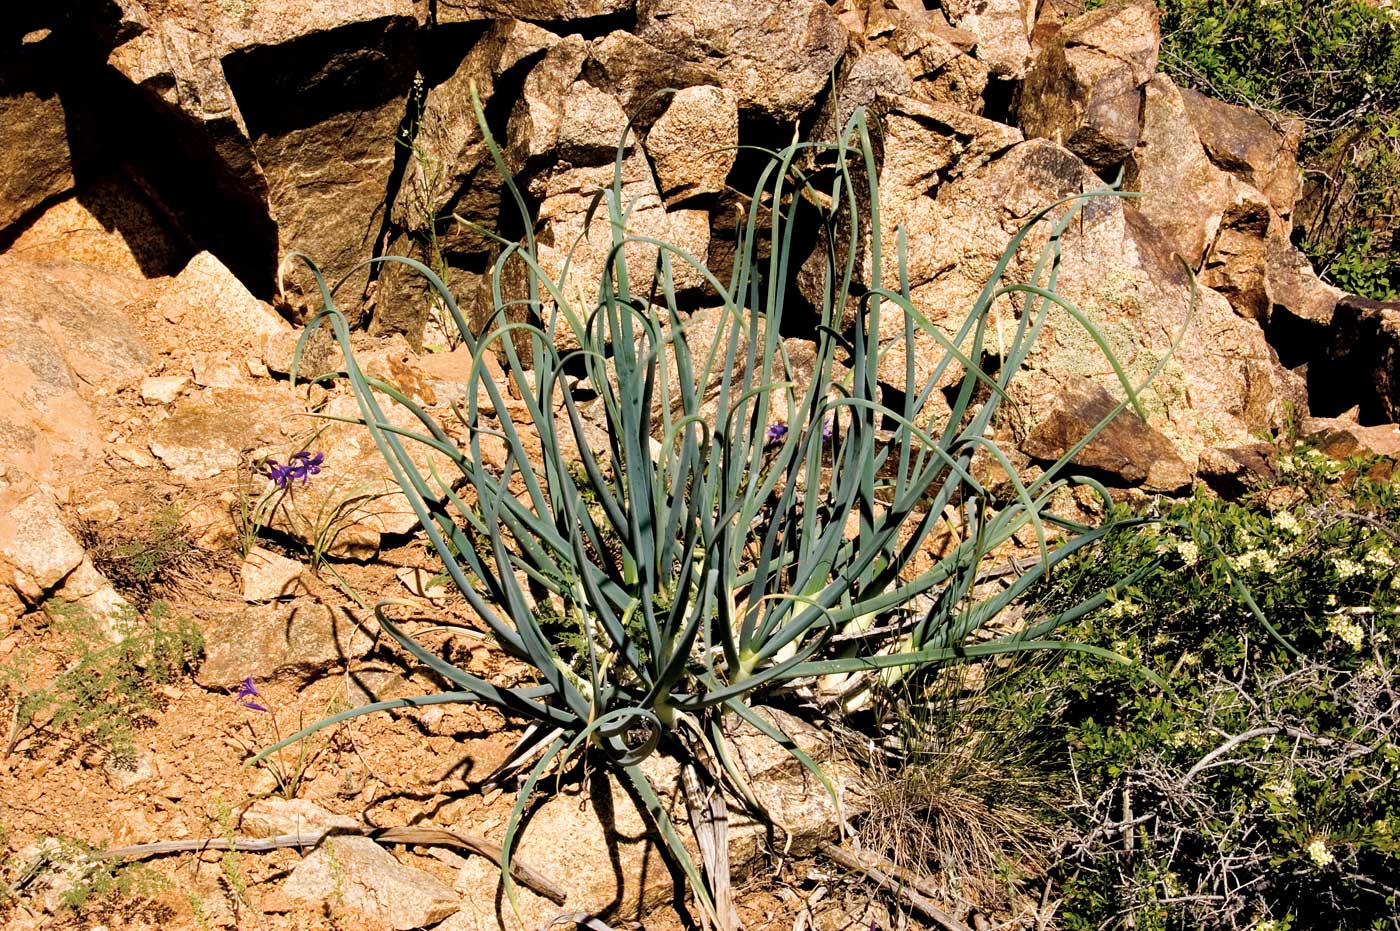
column 41, row 558
column 775, row 56
column 37, row 550
column 533, row 133
column 206, row 433
column 939, row 60
column 566, row 838
column 356, row 875
column 269, row 576
column 591, row 126
column 1082, row 91
column 1184, row 194
column 217, row 370
column 163, row 389
column 281, row 22
column 1295, row 291
column 694, row 142
column 1236, row 264
column 64, row 336
column 1341, row 438
column 108, row 224
column 1224, row 381
column 269, row 817
column 690, row 231
column 635, row 70
column 1002, row 28
column 207, row 298
column 866, row 77
column 1125, row 448
column 1216, row 222
column 1246, row 144
column 551, row 11
column 1126, row 29
column 923, row 146
column 565, row 197
column 301, row 639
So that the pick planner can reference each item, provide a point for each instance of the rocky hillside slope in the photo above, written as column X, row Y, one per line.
column 161, row 156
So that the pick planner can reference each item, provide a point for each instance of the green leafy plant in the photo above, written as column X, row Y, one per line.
column 1336, row 65
column 106, row 686
column 144, row 555
column 1261, row 791
column 715, row 527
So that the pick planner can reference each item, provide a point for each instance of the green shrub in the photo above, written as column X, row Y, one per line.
column 1336, row 64
column 1261, row 791
column 716, row 525
column 107, row 686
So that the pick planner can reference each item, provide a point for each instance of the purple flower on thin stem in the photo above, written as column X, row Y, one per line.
column 775, row 433
column 828, row 426
column 303, row 465
column 246, row 693
column 308, row 465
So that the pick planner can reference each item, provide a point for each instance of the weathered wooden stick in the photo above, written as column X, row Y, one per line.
column 883, row 873
column 405, row 835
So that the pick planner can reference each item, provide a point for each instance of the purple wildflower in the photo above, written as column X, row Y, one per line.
column 309, row 465
column 246, row 693
column 303, row 465
column 828, row 426
column 280, row 474
column 775, row 433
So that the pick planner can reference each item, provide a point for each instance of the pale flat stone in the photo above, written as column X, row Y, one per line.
column 355, row 874
column 300, row 639
column 163, row 389
column 269, row 576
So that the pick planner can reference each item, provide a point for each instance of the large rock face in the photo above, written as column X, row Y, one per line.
column 1223, row 380
column 775, row 56
column 62, row 335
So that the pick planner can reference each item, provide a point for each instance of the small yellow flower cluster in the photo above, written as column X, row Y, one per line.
column 1282, row 790
column 1262, row 560
column 1347, row 629
column 1317, row 852
column 1380, row 558
column 1348, row 568
column 1188, row 551
column 1287, row 523
column 1124, row 607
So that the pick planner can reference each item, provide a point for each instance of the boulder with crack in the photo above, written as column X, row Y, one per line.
column 1002, row 28
column 1223, row 383
column 775, row 56
column 1084, row 89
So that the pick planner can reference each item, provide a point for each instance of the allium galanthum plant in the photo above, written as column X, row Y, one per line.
column 741, row 528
